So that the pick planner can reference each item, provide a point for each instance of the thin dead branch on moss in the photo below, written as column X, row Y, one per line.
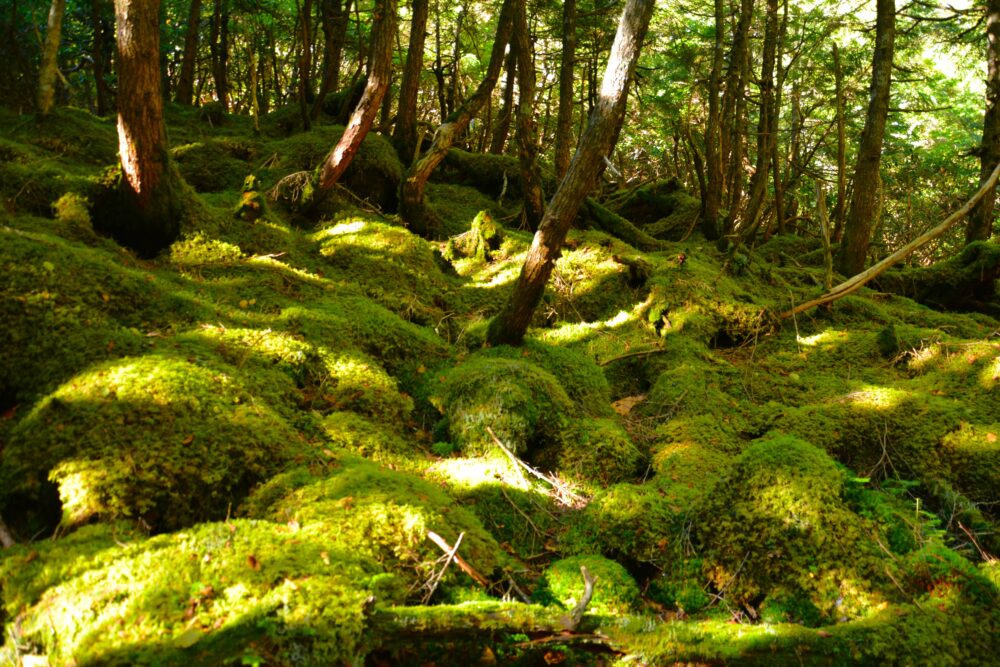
column 588, row 592
column 290, row 188
column 562, row 491
column 461, row 562
column 435, row 579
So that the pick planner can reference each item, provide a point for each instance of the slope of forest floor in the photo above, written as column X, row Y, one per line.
column 266, row 445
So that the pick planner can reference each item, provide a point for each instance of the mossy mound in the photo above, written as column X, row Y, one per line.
column 777, row 530
column 156, row 438
column 614, row 593
column 392, row 266
column 524, row 405
column 662, row 208
column 598, row 451
column 213, row 165
column 488, row 173
column 351, row 432
column 214, row 594
column 379, row 515
column 965, row 281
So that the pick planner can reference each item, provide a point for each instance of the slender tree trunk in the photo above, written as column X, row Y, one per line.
column 564, row 121
column 527, row 131
column 438, row 64
column 305, row 63
column 509, row 327
column 185, row 84
column 861, row 214
column 779, row 188
column 219, row 48
column 838, row 211
column 405, row 133
column 502, row 128
column 730, row 137
column 49, row 67
column 711, row 200
column 413, row 207
column 456, row 61
column 100, row 44
column 379, row 77
column 145, row 210
column 335, row 15
column 765, row 132
column 980, row 226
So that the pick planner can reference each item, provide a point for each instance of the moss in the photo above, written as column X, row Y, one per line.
column 378, row 515
column 965, row 281
column 456, row 206
column 198, row 249
column 599, row 451
column 972, row 455
column 681, row 586
column 154, row 437
column 232, row 590
column 252, row 204
column 778, row 525
column 479, row 243
column 524, row 405
column 352, row 432
column 213, row 165
column 614, row 593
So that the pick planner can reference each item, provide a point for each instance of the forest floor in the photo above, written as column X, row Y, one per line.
column 283, row 441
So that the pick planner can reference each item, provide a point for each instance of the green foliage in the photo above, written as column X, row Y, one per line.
column 614, row 593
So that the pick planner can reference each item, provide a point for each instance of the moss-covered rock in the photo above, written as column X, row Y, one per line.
column 156, row 438
column 214, row 164
column 614, row 593
column 598, row 451
column 524, row 405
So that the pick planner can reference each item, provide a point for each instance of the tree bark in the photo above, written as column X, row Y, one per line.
column 861, row 214
column 711, row 201
column 405, row 133
column 564, row 119
column 305, row 64
column 185, row 83
column 980, row 226
column 412, row 204
column 98, row 48
column 335, row 15
column 456, row 60
column 49, row 67
column 219, row 48
column 502, row 128
column 838, row 211
column 146, row 209
column 379, row 77
column 509, row 327
column 731, row 138
column 527, row 130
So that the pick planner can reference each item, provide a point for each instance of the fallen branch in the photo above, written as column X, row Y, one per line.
column 436, row 579
column 629, row 355
column 6, row 539
column 461, row 562
column 855, row 283
column 588, row 592
column 566, row 495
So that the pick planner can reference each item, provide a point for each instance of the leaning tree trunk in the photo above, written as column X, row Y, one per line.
column 185, row 84
column 413, row 207
column 509, row 327
column 502, row 129
column 980, row 225
column 861, row 213
column 405, row 133
column 49, row 66
column 379, row 77
column 527, row 130
column 144, row 212
column 564, row 120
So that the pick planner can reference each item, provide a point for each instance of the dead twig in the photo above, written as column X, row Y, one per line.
column 565, row 494
column 588, row 592
column 538, row 531
column 461, row 562
column 436, row 579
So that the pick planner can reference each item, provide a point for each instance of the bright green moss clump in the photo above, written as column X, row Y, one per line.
column 525, row 406
column 614, row 593
column 599, row 450
column 155, row 437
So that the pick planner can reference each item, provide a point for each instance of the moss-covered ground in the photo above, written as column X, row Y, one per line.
column 265, row 446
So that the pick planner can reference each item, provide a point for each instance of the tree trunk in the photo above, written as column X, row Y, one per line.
column 838, row 211
column 861, row 214
column 379, row 77
column 405, row 133
column 765, row 131
column 527, row 131
column 305, row 64
column 502, row 128
column 456, row 60
column 564, row 120
column 509, row 327
column 49, row 67
column 711, row 201
column 185, row 84
column 412, row 205
column 730, row 137
column 100, row 44
column 779, row 186
column 980, row 226
column 144, row 212
column 335, row 16
column 219, row 48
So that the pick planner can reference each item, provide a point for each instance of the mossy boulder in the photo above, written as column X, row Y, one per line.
column 778, row 527
column 599, row 452
column 156, row 438
column 614, row 593
column 524, row 405
column 662, row 208
column 966, row 281
column 353, row 433
column 213, row 165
